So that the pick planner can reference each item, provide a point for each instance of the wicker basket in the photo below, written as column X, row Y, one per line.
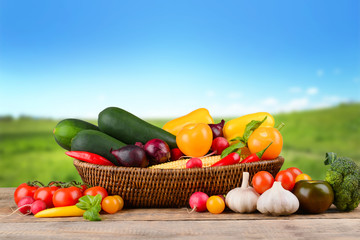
column 144, row 187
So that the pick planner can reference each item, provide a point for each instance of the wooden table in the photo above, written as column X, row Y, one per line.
column 178, row 224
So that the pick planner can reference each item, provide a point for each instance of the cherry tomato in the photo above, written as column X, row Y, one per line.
column 261, row 138
column 262, row 181
column 215, row 204
column 302, row 176
column 195, row 139
column 295, row 171
column 112, row 204
column 66, row 196
column 24, row 190
column 121, row 200
column 46, row 194
column 93, row 191
column 286, row 178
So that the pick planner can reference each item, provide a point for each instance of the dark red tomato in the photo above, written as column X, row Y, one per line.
column 46, row 194
column 93, row 191
column 286, row 178
column 24, row 190
column 295, row 171
column 67, row 196
column 83, row 187
column 262, row 181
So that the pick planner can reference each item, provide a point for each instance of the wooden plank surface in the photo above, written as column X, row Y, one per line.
column 178, row 224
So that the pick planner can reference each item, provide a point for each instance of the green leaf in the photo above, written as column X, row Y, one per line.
column 330, row 157
column 250, row 128
column 232, row 149
column 237, row 139
column 92, row 205
column 92, row 215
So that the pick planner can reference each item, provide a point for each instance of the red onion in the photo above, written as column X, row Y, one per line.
column 157, row 150
column 131, row 156
column 217, row 129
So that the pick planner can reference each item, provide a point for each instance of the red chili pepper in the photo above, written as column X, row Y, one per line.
column 255, row 156
column 89, row 157
column 232, row 158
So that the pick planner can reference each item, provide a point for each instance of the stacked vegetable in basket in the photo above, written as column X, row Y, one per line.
column 190, row 141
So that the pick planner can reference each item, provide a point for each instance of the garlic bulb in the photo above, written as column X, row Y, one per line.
column 277, row 201
column 244, row 198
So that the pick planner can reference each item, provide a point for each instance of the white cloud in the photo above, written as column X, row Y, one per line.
column 270, row 101
column 234, row 95
column 328, row 101
column 295, row 90
column 320, row 72
column 312, row 91
column 295, row 104
column 356, row 80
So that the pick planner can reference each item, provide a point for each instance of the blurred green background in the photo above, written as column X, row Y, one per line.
column 28, row 150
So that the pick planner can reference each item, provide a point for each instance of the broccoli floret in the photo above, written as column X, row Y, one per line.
column 334, row 178
column 344, row 177
column 342, row 165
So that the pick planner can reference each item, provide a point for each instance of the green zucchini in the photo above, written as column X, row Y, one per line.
column 130, row 129
column 67, row 129
column 96, row 142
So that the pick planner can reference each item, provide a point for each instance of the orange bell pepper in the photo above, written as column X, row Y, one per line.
column 200, row 115
column 195, row 139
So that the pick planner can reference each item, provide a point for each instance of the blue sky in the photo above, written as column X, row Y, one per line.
column 166, row 58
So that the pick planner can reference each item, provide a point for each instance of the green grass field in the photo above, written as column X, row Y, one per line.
column 28, row 150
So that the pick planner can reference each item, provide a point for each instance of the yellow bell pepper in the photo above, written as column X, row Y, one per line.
column 236, row 127
column 70, row 211
column 200, row 115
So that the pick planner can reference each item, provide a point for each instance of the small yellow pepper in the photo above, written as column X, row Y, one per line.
column 69, row 211
column 236, row 127
column 200, row 115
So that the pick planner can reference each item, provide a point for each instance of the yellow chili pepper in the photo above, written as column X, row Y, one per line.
column 69, row 211
column 236, row 127
column 200, row 115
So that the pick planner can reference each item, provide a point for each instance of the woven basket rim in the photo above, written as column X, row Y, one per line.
column 158, row 170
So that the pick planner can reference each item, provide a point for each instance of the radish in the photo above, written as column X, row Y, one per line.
column 24, row 205
column 197, row 201
column 176, row 154
column 219, row 144
column 38, row 206
column 194, row 163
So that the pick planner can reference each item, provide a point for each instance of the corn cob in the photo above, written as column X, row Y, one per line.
column 180, row 164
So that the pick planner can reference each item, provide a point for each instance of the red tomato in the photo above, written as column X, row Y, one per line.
column 295, row 171
column 262, row 181
column 286, row 178
column 262, row 137
column 46, row 194
column 93, row 191
column 24, row 190
column 67, row 196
